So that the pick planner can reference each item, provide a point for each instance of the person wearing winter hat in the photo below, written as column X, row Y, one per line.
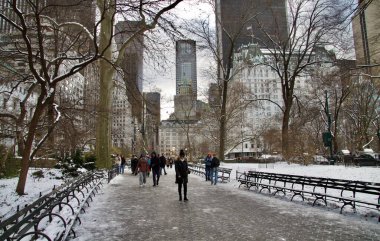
column 181, row 175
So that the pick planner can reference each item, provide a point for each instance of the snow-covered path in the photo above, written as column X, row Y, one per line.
column 125, row 211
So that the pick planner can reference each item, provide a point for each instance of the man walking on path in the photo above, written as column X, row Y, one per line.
column 162, row 164
column 155, row 166
column 214, row 169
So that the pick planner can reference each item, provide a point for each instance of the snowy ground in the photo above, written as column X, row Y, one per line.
column 370, row 174
column 125, row 211
column 9, row 200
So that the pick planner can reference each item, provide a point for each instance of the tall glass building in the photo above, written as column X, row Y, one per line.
column 186, row 68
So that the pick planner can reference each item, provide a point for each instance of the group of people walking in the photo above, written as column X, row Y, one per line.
column 146, row 164
column 156, row 164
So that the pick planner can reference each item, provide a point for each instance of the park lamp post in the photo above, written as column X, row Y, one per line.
column 327, row 136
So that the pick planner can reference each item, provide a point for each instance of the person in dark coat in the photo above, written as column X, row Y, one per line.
column 122, row 164
column 134, row 162
column 155, row 167
column 162, row 164
column 207, row 162
column 181, row 175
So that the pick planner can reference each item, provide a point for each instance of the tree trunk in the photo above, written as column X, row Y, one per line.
column 103, row 125
column 25, row 162
column 222, row 134
column 103, row 131
column 285, row 132
column 335, row 137
column 189, row 147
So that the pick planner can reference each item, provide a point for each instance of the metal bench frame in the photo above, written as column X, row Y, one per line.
column 224, row 174
column 316, row 187
column 73, row 195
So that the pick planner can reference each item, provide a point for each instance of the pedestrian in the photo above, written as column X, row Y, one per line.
column 148, row 159
column 207, row 162
column 167, row 162
column 162, row 164
column 122, row 164
column 155, row 167
column 118, row 163
column 134, row 162
column 171, row 162
column 142, row 168
column 181, row 175
column 215, row 163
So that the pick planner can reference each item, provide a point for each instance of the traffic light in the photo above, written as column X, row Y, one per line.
column 327, row 139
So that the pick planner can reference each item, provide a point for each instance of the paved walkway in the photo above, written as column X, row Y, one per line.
column 124, row 211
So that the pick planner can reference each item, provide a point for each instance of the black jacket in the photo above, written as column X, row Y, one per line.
column 181, row 171
column 162, row 161
column 155, row 163
column 215, row 162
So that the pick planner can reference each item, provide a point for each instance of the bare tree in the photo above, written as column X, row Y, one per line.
column 311, row 22
column 52, row 51
column 362, row 112
column 235, row 106
column 207, row 38
column 337, row 79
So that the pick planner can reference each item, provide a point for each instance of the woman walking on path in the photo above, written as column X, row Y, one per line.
column 207, row 162
column 142, row 168
column 181, row 172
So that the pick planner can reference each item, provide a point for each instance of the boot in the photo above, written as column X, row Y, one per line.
column 185, row 199
column 180, row 197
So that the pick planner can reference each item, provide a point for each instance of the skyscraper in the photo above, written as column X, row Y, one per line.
column 132, row 64
column 60, row 11
column 186, row 68
column 152, row 106
column 248, row 21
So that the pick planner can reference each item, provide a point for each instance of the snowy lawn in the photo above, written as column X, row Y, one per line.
column 9, row 199
column 368, row 174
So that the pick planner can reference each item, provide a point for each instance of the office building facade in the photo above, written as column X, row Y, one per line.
column 132, row 64
column 248, row 21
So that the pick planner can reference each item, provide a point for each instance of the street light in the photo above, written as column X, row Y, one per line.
column 327, row 137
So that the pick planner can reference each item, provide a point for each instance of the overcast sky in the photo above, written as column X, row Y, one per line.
column 163, row 79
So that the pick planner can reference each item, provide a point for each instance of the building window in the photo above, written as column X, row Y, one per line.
column 185, row 48
column 185, row 72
